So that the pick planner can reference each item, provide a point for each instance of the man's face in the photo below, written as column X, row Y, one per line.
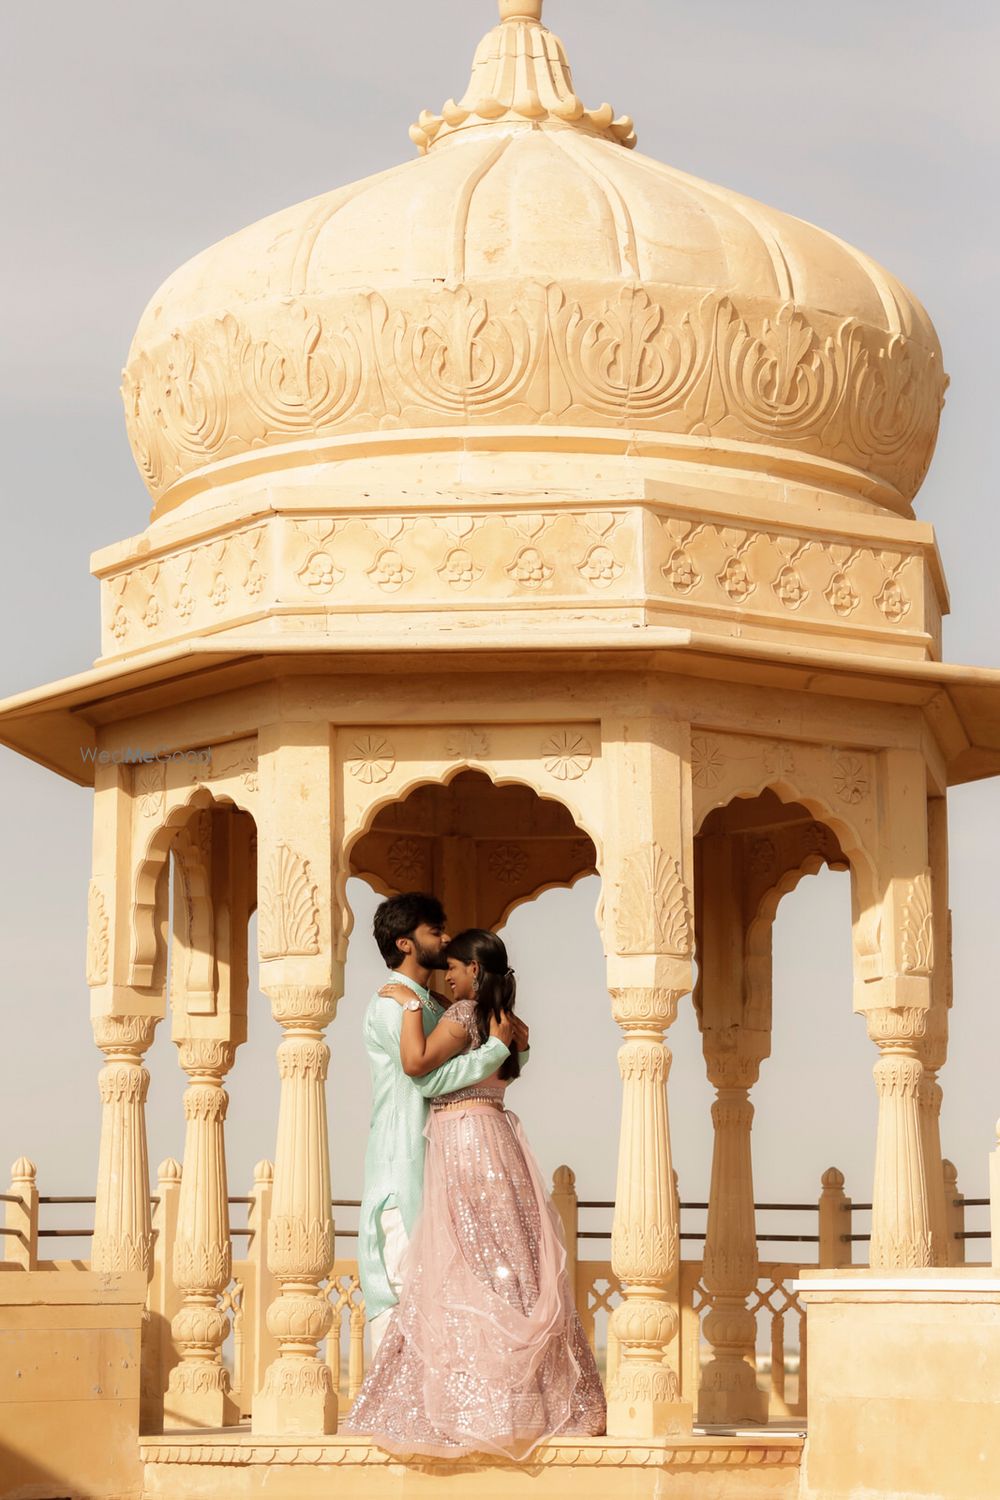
column 430, row 942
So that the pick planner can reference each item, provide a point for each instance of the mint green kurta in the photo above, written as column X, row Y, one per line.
column 394, row 1159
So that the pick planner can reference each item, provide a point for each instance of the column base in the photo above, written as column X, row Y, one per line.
column 192, row 1408
column 298, row 1399
column 646, row 1404
column 730, row 1393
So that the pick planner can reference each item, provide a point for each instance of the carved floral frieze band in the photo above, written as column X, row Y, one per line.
column 344, row 561
column 620, row 355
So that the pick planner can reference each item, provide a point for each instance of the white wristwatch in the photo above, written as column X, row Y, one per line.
column 413, row 1005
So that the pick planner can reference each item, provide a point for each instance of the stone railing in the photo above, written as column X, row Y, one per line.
column 829, row 1224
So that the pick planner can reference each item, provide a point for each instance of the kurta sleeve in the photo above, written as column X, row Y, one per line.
column 465, row 1070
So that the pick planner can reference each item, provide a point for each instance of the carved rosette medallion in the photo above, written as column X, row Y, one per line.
column 567, row 755
column 372, row 759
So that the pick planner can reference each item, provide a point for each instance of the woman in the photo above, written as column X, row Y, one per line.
column 485, row 1352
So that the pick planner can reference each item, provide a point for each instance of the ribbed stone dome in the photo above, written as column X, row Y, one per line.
column 530, row 272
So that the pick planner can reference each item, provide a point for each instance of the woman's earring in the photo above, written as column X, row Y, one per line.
column 475, row 985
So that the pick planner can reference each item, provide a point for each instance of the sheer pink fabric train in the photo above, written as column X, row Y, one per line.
column 485, row 1352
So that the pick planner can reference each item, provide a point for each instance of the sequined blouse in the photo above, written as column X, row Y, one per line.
column 492, row 1089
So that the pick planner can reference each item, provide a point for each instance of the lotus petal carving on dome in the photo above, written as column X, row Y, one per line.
column 457, row 355
column 636, row 356
column 309, row 378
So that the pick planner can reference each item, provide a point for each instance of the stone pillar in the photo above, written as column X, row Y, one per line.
column 901, row 1210
column 198, row 1393
column 932, row 1052
column 644, row 1399
column 729, row 1390
column 302, row 947
column 298, row 1394
column 122, row 1222
column 648, row 873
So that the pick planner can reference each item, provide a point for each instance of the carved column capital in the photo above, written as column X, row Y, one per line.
column 897, row 1029
column 124, row 1037
column 301, row 1007
column 205, row 1058
column 650, row 1011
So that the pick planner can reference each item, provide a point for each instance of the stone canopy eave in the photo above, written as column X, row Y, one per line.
column 55, row 725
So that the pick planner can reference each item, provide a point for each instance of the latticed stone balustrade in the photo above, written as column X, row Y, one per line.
column 780, row 1343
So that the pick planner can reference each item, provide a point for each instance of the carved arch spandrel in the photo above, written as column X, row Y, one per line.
column 381, row 766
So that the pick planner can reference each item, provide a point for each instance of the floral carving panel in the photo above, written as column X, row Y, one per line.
column 786, row 577
column 796, row 380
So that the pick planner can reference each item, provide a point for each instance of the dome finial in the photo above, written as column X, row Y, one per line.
column 520, row 75
column 521, row 10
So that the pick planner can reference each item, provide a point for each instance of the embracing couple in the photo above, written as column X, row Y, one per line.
column 477, row 1347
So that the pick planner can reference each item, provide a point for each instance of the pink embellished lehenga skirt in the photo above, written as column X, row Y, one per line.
column 485, row 1352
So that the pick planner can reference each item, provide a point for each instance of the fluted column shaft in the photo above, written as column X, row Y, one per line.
column 198, row 1393
column 901, row 1210
column 729, row 1390
column 123, row 1230
column 644, row 1399
column 298, row 1394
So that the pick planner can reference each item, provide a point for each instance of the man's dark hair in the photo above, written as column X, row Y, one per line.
column 399, row 917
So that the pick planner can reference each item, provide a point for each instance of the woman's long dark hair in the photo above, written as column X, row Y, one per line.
column 497, row 985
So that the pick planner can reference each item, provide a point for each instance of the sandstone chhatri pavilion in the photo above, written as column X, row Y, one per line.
column 526, row 511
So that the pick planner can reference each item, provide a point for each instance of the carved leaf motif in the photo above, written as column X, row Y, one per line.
column 654, row 906
column 626, row 361
column 305, row 381
column 467, row 744
column 918, row 928
column 289, row 906
column 97, row 936
column 456, row 356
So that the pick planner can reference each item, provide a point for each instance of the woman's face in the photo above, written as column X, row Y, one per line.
column 460, row 977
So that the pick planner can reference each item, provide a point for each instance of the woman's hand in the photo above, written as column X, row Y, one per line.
column 503, row 1027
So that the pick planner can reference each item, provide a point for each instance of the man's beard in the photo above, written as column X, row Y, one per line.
column 428, row 960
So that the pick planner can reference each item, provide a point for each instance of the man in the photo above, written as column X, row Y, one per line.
column 410, row 932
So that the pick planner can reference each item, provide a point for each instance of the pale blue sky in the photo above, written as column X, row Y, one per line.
column 138, row 134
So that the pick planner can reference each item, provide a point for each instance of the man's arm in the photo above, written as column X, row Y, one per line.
column 460, row 1073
